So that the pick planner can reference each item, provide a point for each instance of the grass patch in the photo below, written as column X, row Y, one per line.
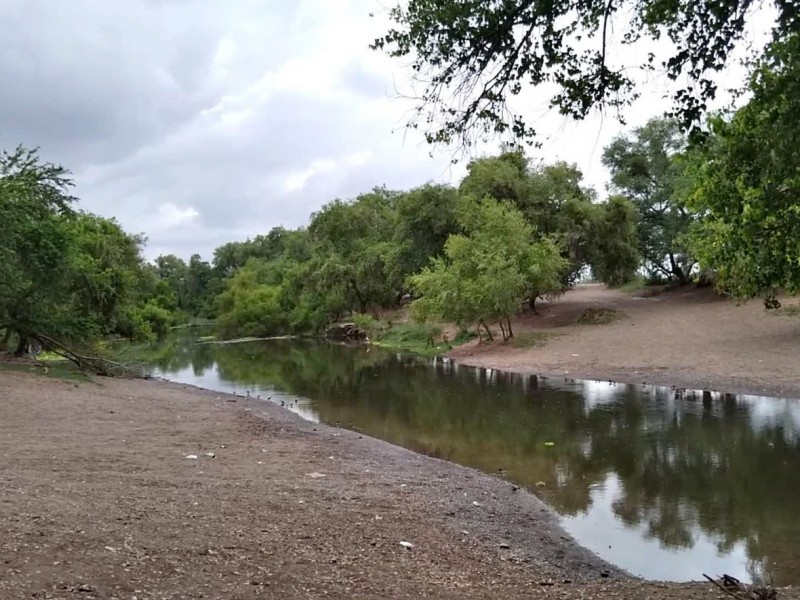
column 598, row 316
column 530, row 339
column 792, row 310
column 421, row 338
column 61, row 369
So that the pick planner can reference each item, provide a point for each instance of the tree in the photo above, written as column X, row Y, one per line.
column 615, row 245
column 646, row 168
column 556, row 203
column 426, row 217
column 34, row 245
column 471, row 56
column 747, row 188
column 68, row 277
column 487, row 272
column 356, row 240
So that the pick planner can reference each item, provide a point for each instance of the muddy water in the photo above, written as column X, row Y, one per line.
column 667, row 486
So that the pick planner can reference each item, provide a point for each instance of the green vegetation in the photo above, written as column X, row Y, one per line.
column 722, row 206
column 468, row 58
column 747, row 184
column 68, row 277
column 420, row 338
column 511, row 233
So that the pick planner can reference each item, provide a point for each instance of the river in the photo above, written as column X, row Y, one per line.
column 664, row 484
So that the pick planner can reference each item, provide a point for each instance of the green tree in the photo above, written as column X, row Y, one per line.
column 747, row 185
column 67, row 276
column 426, row 217
column 614, row 253
column 34, row 246
column 487, row 272
column 646, row 168
column 356, row 240
column 471, row 56
column 556, row 203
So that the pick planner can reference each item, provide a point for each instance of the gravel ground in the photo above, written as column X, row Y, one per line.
column 98, row 500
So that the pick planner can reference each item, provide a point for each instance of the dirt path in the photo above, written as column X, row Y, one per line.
column 687, row 338
column 98, row 501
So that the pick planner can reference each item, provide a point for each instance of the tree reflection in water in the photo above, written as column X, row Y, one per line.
column 699, row 469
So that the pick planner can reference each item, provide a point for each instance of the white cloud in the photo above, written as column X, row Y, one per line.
column 200, row 122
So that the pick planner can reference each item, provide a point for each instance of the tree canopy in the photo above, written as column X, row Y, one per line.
column 746, row 184
column 487, row 272
column 471, row 56
column 646, row 168
column 66, row 274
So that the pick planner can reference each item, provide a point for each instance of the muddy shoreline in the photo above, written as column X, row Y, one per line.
column 284, row 508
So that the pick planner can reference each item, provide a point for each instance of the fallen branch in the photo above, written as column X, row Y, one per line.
column 743, row 592
column 94, row 364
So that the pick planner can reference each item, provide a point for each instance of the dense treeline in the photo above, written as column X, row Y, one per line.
column 509, row 234
column 723, row 206
column 66, row 274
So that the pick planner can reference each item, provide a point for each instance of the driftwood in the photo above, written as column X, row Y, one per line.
column 736, row 589
column 91, row 364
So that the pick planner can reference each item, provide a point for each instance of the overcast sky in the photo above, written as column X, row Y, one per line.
column 199, row 122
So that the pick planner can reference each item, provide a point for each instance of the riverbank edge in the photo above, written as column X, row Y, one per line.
column 655, row 377
column 651, row 377
column 544, row 533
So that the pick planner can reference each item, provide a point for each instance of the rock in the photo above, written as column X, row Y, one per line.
column 541, row 484
column 408, row 545
column 211, row 455
column 475, row 503
column 505, row 546
column 191, row 456
column 315, row 475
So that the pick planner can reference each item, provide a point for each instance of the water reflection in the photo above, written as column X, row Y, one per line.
column 667, row 486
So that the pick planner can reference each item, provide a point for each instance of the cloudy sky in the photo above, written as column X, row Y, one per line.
column 201, row 121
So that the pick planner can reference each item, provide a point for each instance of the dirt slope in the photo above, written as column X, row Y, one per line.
column 688, row 338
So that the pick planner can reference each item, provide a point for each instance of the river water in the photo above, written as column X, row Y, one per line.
column 667, row 486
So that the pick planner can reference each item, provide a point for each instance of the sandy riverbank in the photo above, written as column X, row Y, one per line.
column 687, row 337
column 99, row 501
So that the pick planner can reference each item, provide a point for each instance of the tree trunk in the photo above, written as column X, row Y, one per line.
column 502, row 329
column 6, row 339
column 488, row 331
column 508, row 327
column 21, row 345
column 360, row 298
column 676, row 269
column 533, row 303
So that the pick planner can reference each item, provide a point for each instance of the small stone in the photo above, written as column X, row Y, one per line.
column 475, row 503
column 505, row 546
column 408, row 545
column 211, row 455
column 315, row 475
column 191, row 456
